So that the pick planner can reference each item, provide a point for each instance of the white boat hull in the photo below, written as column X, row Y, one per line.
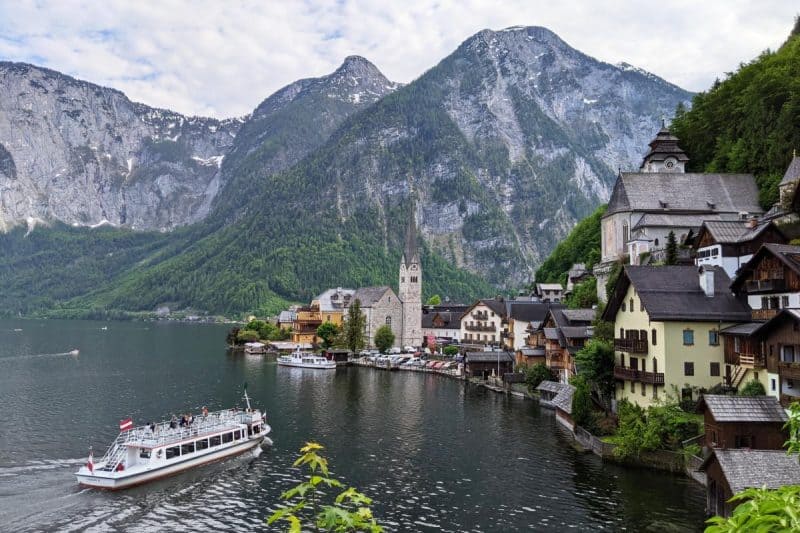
column 331, row 365
column 126, row 479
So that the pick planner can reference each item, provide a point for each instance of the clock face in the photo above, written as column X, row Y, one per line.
column 670, row 163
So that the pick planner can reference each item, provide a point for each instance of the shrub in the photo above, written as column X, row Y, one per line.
column 537, row 373
column 450, row 350
column 753, row 388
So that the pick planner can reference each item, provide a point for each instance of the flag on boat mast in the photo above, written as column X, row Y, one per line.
column 126, row 424
column 90, row 462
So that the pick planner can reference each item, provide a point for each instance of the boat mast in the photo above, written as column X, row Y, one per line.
column 246, row 398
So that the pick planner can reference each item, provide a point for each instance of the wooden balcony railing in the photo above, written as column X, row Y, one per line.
column 480, row 315
column 752, row 360
column 788, row 370
column 631, row 345
column 629, row 374
column 764, row 314
column 765, row 285
column 478, row 327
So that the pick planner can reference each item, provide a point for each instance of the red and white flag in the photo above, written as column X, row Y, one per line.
column 125, row 425
column 90, row 462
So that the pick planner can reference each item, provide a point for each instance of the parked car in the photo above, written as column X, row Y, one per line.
column 394, row 350
column 409, row 349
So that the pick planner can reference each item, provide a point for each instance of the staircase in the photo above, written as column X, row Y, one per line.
column 115, row 453
column 738, row 377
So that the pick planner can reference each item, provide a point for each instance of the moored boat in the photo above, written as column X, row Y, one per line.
column 145, row 453
column 306, row 360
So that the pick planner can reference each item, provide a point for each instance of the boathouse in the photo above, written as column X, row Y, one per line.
column 743, row 422
column 484, row 364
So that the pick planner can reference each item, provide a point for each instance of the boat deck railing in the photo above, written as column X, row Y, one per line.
column 163, row 432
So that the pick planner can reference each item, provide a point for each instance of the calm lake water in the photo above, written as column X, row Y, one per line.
column 436, row 455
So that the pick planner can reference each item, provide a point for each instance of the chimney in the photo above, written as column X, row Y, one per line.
column 707, row 281
column 752, row 222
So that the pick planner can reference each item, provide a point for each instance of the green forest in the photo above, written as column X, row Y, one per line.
column 749, row 122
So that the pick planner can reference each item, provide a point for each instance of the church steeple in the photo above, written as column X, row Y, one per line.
column 410, row 251
column 664, row 155
column 410, row 286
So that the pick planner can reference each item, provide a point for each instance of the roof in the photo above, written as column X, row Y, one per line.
column 579, row 315
column 551, row 334
column 748, row 328
column 368, row 296
column 489, row 357
column 684, row 192
column 576, row 332
column 662, row 146
column 743, row 408
column 287, row 316
column 734, row 231
column 334, row 299
column 410, row 250
column 679, row 220
column 531, row 352
column 563, row 400
column 528, row 311
column 788, row 255
column 550, row 286
column 744, row 468
column 450, row 319
column 793, row 172
column 550, row 386
column 496, row 305
column 673, row 293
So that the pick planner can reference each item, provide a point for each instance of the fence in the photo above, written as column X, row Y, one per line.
column 659, row 459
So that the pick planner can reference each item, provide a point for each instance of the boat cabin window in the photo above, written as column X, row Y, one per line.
column 144, row 454
column 216, row 440
column 187, row 448
column 256, row 428
column 227, row 437
column 174, row 451
column 202, row 444
column 237, row 435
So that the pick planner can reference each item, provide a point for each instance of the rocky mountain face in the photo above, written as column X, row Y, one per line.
column 86, row 155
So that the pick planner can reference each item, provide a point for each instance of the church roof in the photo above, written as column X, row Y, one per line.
column 368, row 296
column 663, row 146
column 676, row 192
column 793, row 172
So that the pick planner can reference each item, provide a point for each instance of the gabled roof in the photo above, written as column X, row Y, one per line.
column 744, row 468
column 677, row 192
column 579, row 315
column 747, row 329
column 551, row 386
column 334, row 299
column 788, row 254
column 793, row 172
column 662, row 146
column 575, row 332
column 550, row 286
column 532, row 352
column 489, row 357
column 528, row 311
column 551, row 334
column 498, row 306
column 368, row 296
column 674, row 293
column 563, row 399
column 743, row 408
column 734, row 231
column 450, row 319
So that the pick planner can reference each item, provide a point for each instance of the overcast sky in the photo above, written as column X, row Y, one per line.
column 222, row 58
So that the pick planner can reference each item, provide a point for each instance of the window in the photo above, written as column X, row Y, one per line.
column 656, row 242
column 743, row 441
column 688, row 337
column 216, row 440
column 623, row 307
column 621, row 333
column 144, row 454
column 737, row 344
column 653, row 333
column 633, row 386
column 764, row 302
column 631, row 305
column 402, row 279
column 202, row 444
column 227, row 437
column 714, row 369
column 788, row 354
column 644, row 389
column 655, row 365
column 686, row 394
column 388, row 321
column 414, row 279
column 237, row 435
column 624, row 232
column 772, row 384
column 175, row 451
column 713, row 337
column 187, row 448
column 784, row 302
column 688, row 369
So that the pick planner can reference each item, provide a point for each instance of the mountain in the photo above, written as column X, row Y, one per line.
column 86, row 155
column 501, row 147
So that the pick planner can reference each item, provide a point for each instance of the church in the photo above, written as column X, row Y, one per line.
column 660, row 198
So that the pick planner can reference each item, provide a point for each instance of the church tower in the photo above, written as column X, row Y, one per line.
column 410, row 287
column 664, row 155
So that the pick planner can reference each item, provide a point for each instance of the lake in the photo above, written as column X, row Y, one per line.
column 434, row 453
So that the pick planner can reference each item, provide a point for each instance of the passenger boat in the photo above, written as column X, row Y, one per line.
column 306, row 360
column 145, row 453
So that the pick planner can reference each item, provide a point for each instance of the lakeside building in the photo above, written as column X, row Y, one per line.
column 481, row 365
column 556, row 339
column 660, row 198
column 668, row 320
column 442, row 322
column 519, row 316
column 482, row 322
column 743, row 422
column 333, row 304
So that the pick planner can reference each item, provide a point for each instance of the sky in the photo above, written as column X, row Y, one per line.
column 222, row 58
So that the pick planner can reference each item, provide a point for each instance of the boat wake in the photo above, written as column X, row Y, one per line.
column 32, row 467
column 71, row 353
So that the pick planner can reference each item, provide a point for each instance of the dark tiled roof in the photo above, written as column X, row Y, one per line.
column 368, row 296
column 743, row 408
column 532, row 352
column 664, row 145
column 528, row 311
column 673, row 293
column 451, row 317
column 551, row 334
column 550, row 386
column 489, row 357
column 579, row 315
column 563, row 399
column 744, row 468
column 748, row 328
column 793, row 172
column 669, row 220
column 734, row 231
column 498, row 306
column 787, row 253
column 576, row 332
column 732, row 193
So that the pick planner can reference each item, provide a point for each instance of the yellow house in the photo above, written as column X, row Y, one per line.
column 333, row 304
column 667, row 321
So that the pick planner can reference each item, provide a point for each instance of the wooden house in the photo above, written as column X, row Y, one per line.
column 732, row 243
column 743, row 422
column 770, row 281
column 729, row 471
column 484, row 364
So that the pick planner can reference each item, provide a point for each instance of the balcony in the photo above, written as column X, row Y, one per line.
column 764, row 314
column 789, row 370
column 480, row 315
column 751, row 360
column 765, row 285
column 631, row 345
column 478, row 327
column 629, row 374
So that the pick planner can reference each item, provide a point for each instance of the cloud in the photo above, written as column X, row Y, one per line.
column 222, row 58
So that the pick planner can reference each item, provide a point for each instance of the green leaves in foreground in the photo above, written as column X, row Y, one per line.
column 763, row 510
column 349, row 511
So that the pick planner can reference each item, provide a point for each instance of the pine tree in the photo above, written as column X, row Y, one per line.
column 672, row 249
